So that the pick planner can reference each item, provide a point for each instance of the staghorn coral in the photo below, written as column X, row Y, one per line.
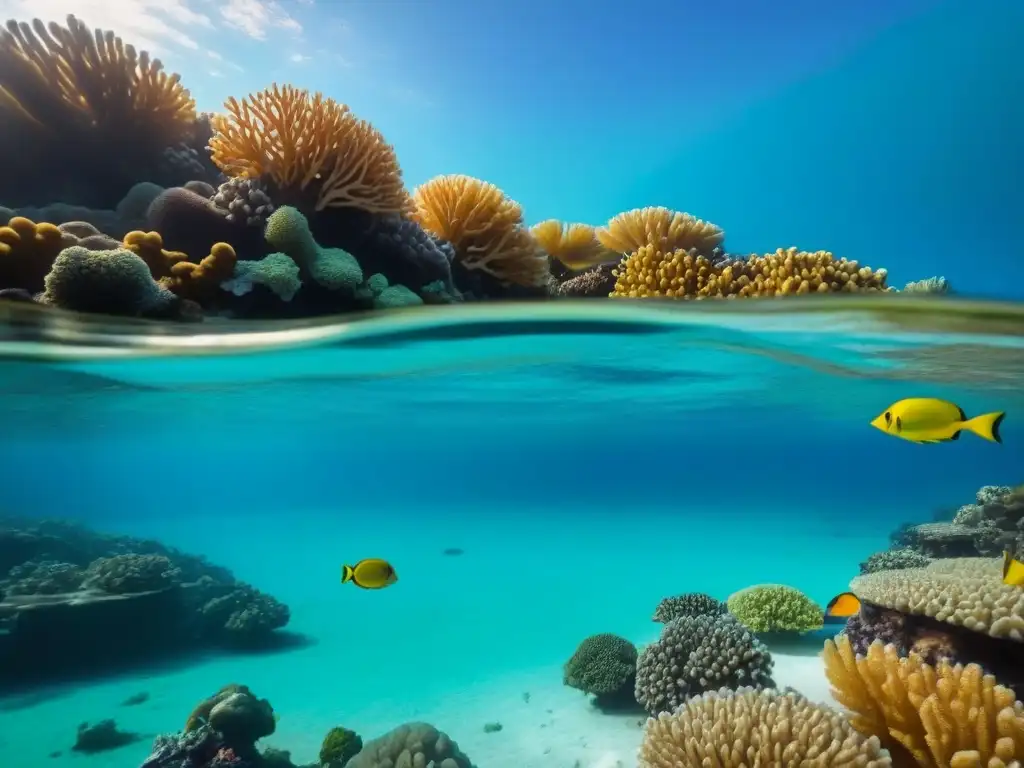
column 335, row 269
column 27, row 252
column 127, row 574
column 68, row 94
column 654, row 272
column 308, row 148
column 485, row 228
column 735, row 729
column 935, row 717
column 46, row 577
column 411, row 744
column 573, row 246
column 965, row 592
column 775, row 608
column 661, row 229
column 276, row 271
column 689, row 604
column 695, row 654
column 894, row 559
column 602, row 665
column 108, row 282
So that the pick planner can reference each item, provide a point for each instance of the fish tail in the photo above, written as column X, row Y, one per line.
column 986, row 426
column 347, row 572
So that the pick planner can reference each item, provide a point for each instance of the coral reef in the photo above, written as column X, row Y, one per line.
column 275, row 271
column 661, row 230
column 689, row 604
column 73, row 600
column 894, row 559
column 733, row 729
column 101, row 737
column 339, row 746
column 288, row 231
column 244, row 201
column 604, row 666
column 775, row 608
column 937, row 716
column 696, row 654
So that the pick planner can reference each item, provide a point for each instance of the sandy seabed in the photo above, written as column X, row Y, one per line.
column 543, row 723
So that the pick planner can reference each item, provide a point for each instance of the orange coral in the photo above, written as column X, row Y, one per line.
column 27, row 251
column 149, row 247
column 309, row 145
column 687, row 274
column 661, row 228
column 484, row 226
column 574, row 245
column 201, row 281
column 71, row 80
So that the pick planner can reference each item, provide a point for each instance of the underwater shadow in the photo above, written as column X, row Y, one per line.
column 275, row 642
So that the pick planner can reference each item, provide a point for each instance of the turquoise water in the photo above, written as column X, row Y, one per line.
column 589, row 459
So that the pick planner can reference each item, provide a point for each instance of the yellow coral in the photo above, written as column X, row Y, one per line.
column 201, row 281
column 663, row 229
column 149, row 247
column 484, row 226
column 574, row 245
column 687, row 274
column 309, row 145
column 27, row 251
column 935, row 717
column 756, row 728
column 71, row 81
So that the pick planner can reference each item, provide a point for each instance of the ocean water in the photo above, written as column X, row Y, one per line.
column 589, row 458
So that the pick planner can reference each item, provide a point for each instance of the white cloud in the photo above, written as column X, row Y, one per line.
column 214, row 55
column 156, row 26
column 298, row 58
column 215, row 73
column 256, row 17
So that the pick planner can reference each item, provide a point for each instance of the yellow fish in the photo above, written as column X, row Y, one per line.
column 372, row 573
column 1013, row 569
column 930, row 420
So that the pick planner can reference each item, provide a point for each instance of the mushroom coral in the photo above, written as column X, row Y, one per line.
column 308, row 148
column 484, row 226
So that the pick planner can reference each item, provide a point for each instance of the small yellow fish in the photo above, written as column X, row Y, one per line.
column 1013, row 569
column 372, row 573
column 930, row 420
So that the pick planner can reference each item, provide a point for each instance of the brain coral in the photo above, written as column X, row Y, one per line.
column 965, row 591
column 602, row 665
column 775, row 608
column 735, row 729
column 412, row 744
column 699, row 653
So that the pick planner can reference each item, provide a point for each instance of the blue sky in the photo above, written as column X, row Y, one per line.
column 538, row 97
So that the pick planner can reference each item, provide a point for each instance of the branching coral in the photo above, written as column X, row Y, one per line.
column 308, row 147
column 686, row 274
column 695, row 654
column 602, row 665
column 735, row 729
column 775, row 608
column 484, row 226
column 934, row 717
column 575, row 246
column 660, row 229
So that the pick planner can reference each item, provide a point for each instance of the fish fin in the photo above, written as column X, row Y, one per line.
column 963, row 416
column 1013, row 573
column 347, row 572
column 955, row 435
column 986, row 426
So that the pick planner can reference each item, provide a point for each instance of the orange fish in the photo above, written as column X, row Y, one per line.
column 842, row 606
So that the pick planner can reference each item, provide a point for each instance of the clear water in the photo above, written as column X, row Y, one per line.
column 588, row 458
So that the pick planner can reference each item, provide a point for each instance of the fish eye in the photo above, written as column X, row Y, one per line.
column 888, row 418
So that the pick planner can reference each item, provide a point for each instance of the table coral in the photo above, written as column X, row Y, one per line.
column 308, row 148
column 775, row 608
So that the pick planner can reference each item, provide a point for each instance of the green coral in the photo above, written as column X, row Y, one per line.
column 278, row 272
column 288, row 231
column 339, row 746
column 775, row 608
column 387, row 296
column 602, row 665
